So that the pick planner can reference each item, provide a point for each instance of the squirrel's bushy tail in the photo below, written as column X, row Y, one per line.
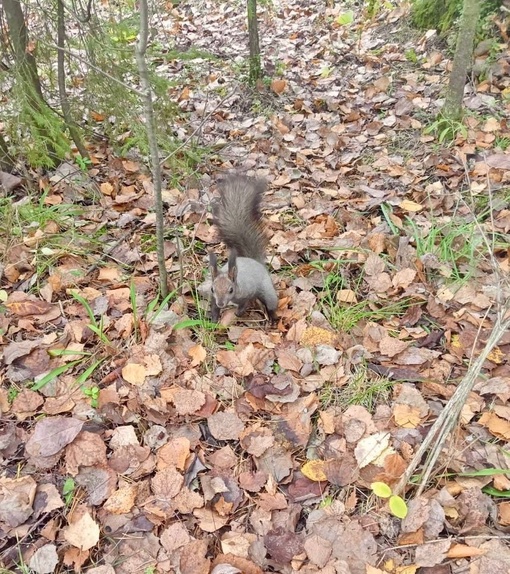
column 238, row 218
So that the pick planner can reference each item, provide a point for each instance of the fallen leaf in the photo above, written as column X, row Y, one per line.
column 84, row 533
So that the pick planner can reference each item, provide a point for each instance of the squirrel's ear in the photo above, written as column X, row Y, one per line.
column 213, row 265
column 232, row 266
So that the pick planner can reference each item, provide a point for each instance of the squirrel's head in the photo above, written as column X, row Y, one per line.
column 223, row 287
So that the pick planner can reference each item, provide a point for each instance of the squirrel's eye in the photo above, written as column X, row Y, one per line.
column 231, row 290
column 212, row 289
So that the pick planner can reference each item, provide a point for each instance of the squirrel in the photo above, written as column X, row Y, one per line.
column 245, row 277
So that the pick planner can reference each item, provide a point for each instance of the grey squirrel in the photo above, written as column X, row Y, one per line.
column 244, row 278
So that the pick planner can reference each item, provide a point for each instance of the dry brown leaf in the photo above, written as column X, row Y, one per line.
column 187, row 402
column 411, row 206
column 403, row 278
column 109, row 274
column 464, row 551
column 373, row 447
column 193, row 560
column 87, row 449
column 174, row 453
column 225, row 426
column 198, row 354
column 406, row 416
column 167, row 483
column 209, row 520
column 390, row 346
column 84, row 533
column 51, row 435
column 346, row 296
column 26, row 404
column 134, row 373
column 16, row 499
column 122, row 500
column 237, row 362
column 496, row 425
column 44, row 559
column 278, row 86
column 174, row 537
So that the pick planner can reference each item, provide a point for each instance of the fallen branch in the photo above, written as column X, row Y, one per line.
column 447, row 420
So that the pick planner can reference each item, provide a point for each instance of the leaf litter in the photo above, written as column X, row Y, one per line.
column 253, row 449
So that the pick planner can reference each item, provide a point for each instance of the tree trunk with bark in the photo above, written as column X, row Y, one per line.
column 452, row 107
column 150, row 122
column 27, row 70
column 61, row 75
column 253, row 39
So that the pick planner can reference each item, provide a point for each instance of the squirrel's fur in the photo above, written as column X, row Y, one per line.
column 238, row 218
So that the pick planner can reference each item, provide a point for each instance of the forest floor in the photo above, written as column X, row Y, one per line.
column 141, row 439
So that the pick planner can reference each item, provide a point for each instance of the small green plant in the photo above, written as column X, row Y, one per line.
column 279, row 68
column 68, row 490
column 153, row 309
column 411, row 55
column 397, row 505
column 12, row 393
column 455, row 243
column 53, row 374
column 446, row 129
column 326, row 502
column 83, row 162
column 95, row 326
column 502, row 142
column 364, row 388
column 93, row 394
column 345, row 19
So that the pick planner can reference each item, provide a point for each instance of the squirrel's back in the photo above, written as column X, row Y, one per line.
column 238, row 218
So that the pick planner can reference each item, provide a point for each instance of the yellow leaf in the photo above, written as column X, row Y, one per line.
column 398, row 507
column 496, row 356
column 381, row 489
column 314, row 470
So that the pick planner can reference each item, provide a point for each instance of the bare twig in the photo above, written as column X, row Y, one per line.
column 92, row 67
column 448, row 418
column 141, row 48
column 194, row 132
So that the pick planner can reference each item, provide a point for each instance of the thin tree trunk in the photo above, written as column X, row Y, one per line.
column 61, row 74
column 253, row 40
column 452, row 107
column 150, row 121
column 27, row 67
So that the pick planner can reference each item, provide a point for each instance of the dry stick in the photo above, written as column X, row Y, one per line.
column 140, row 51
column 449, row 416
